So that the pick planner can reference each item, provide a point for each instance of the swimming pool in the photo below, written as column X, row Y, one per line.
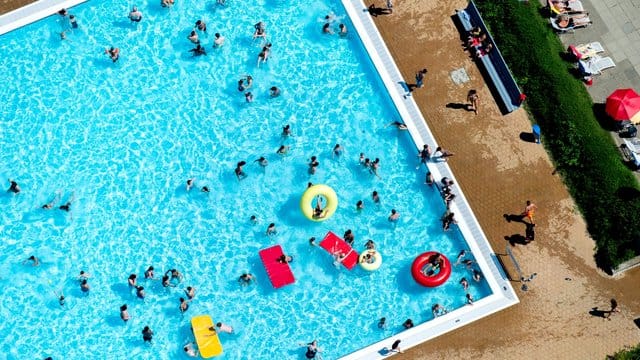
column 121, row 139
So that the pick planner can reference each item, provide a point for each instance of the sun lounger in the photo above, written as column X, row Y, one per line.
column 631, row 150
column 574, row 6
column 585, row 51
column 595, row 65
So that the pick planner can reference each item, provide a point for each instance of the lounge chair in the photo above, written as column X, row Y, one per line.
column 595, row 65
column 574, row 7
column 631, row 150
column 585, row 21
column 585, row 51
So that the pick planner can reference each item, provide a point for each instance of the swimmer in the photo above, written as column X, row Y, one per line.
column 285, row 259
column 260, row 30
column 271, row 230
column 193, row 37
column 398, row 125
column 349, row 237
column 312, row 349
column 63, row 12
column 205, row 189
column 438, row 310
column 375, row 197
column 140, row 292
column 394, row 216
column 218, row 41
column 190, row 183
column 331, row 17
column 359, row 205
column 49, row 205
column 221, row 2
column 190, row 292
column 429, row 180
column 13, row 187
column 114, row 53
column 368, row 259
column 184, row 305
column 468, row 263
column 198, row 50
column 461, row 255
column 361, row 159
column 263, row 56
column 124, row 314
column 312, row 241
column 190, row 350
column 338, row 150
column 83, row 275
column 274, row 91
column 84, row 286
column 149, row 273
column 374, row 167
column 246, row 279
column 67, row 206
column 262, row 161
column 343, row 30
column 366, row 163
column 34, row 261
column 370, row 245
column 424, row 155
column 132, row 280
column 286, row 131
column 464, row 283
column 407, row 324
column 240, row 174
column 477, row 275
column 166, row 3
column 382, row 323
column 73, row 22
column 201, row 25
column 222, row 327
column 135, row 15
column 166, row 282
column 241, row 85
column 313, row 165
column 61, row 300
column 469, row 299
column 147, row 334
column 309, row 184
column 249, row 79
column 248, row 96
column 282, row 150
column 326, row 29
column 253, row 219
column 175, row 274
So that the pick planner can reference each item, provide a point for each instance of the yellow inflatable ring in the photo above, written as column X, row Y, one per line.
column 307, row 202
column 377, row 260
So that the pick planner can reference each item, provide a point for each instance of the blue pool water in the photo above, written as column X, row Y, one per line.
column 119, row 141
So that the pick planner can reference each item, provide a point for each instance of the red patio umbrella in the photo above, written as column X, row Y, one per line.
column 624, row 104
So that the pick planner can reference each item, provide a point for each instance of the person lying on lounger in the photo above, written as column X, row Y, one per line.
column 568, row 22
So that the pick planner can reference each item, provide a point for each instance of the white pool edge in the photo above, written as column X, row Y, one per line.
column 33, row 12
column 503, row 294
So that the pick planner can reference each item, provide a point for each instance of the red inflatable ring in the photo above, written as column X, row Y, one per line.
column 438, row 278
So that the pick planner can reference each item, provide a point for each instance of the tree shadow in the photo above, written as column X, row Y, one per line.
column 568, row 57
column 628, row 193
column 516, row 239
column 598, row 313
column 514, row 217
column 527, row 137
column 603, row 119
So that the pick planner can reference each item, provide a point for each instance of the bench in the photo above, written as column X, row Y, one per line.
column 493, row 63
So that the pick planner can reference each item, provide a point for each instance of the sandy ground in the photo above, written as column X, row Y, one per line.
column 498, row 172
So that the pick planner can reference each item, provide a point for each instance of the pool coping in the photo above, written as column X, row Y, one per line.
column 33, row 12
column 503, row 295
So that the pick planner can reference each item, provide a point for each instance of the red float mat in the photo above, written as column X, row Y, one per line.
column 280, row 274
column 335, row 245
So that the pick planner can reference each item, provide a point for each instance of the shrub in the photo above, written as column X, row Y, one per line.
column 583, row 152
